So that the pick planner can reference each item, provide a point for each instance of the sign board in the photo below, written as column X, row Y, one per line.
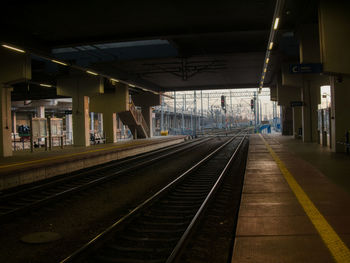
column 305, row 68
column 67, row 112
column 296, row 103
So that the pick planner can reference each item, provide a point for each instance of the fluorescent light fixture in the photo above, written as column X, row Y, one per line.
column 133, row 86
column 276, row 23
column 91, row 72
column 14, row 48
column 115, row 80
column 267, row 60
column 264, row 69
column 59, row 62
column 46, row 85
column 271, row 45
column 263, row 77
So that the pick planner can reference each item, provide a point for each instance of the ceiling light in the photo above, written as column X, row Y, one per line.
column 271, row 45
column 115, row 80
column 276, row 23
column 59, row 62
column 267, row 60
column 46, row 85
column 133, row 86
column 13, row 48
column 264, row 69
column 91, row 72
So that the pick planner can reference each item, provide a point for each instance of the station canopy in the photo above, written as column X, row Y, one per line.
column 162, row 46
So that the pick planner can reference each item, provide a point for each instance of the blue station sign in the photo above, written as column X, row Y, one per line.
column 305, row 68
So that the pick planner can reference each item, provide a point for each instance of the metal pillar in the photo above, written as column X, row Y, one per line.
column 162, row 115
column 191, row 121
column 183, row 108
column 92, row 123
column 195, row 113
column 255, row 113
column 208, row 104
column 201, row 118
column 175, row 112
column 231, row 109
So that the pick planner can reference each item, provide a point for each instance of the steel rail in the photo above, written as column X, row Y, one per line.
column 94, row 243
column 55, row 195
column 177, row 250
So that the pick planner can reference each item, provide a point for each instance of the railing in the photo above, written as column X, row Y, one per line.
column 138, row 117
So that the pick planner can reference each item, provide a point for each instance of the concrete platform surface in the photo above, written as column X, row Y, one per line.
column 281, row 220
column 26, row 167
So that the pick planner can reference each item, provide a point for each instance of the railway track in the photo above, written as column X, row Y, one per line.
column 157, row 229
column 17, row 202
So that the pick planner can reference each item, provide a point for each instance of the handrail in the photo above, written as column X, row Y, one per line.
column 138, row 117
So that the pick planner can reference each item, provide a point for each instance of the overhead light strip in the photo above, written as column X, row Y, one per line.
column 276, row 23
column 45, row 85
column 76, row 67
column 59, row 62
column 270, row 43
column 91, row 73
column 13, row 48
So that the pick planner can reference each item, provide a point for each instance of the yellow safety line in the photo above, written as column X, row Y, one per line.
column 334, row 243
column 68, row 155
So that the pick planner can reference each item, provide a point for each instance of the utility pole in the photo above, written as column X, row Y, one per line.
column 183, row 108
column 208, row 103
column 201, row 110
column 231, row 109
column 162, row 114
column 195, row 113
column 175, row 112
column 185, row 101
column 255, row 115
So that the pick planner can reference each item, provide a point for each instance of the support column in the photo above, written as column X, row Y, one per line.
column 287, row 120
column 92, row 122
column 69, row 127
column 310, row 95
column 109, row 105
column 14, row 67
column 334, row 31
column 14, row 120
column 80, row 87
column 81, row 131
column 40, row 112
column 288, row 91
column 6, row 122
column 309, row 51
column 110, row 127
column 297, row 121
column 340, row 121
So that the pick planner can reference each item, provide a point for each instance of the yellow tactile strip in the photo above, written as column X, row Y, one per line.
column 117, row 147
column 338, row 249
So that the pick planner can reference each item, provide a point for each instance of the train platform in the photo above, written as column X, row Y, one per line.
column 25, row 167
column 295, row 204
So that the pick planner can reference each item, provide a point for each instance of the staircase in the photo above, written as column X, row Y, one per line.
column 135, row 121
